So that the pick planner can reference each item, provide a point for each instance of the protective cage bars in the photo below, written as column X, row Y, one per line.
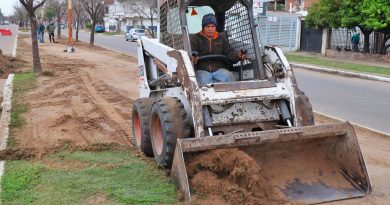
column 170, row 30
column 239, row 33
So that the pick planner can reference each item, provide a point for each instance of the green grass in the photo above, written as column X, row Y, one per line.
column 313, row 60
column 75, row 178
column 112, row 34
column 22, row 83
column 24, row 29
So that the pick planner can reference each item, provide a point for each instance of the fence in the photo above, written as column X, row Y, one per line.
column 280, row 31
column 341, row 40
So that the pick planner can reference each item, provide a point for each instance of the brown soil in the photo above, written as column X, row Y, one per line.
column 78, row 103
column 84, row 101
column 9, row 65
column 229, row 176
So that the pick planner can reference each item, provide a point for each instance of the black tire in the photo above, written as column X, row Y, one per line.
column 305, row 116
column 168, row 122
column 140, row 124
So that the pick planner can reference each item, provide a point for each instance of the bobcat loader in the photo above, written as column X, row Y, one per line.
column 263, row 113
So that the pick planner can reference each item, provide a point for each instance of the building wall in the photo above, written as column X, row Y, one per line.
column 306, row 4
column 119, row 18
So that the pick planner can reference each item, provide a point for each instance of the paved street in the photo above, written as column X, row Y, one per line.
column 360, row 101
column 116, row 43
column 365, row 102
column 7, row 42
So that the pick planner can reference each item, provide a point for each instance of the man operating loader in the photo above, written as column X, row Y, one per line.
column 208, row 42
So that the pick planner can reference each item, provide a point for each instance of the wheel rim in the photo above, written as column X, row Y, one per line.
column 137, row 129
column 157, row 134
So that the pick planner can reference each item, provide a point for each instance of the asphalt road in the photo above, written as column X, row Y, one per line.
column 116, row 43
column 360, row 101
column 364, row 102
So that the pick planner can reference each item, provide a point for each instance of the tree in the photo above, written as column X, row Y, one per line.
column 49, row 13
column 368, row 15
column 21, row 15
column 31, row 6
column 1, row 14
column 95, row 9
column 60, row 7
column 325, row 13
column 79, row 11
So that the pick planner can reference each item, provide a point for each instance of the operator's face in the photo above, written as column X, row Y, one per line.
column 209, row 30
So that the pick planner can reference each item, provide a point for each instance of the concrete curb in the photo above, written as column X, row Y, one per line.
column 5, row 118
column 6, row 111
column 341, row 72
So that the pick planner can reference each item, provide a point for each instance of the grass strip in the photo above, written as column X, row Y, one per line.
column 22, row 83
column 314, row 60
column 81, row 177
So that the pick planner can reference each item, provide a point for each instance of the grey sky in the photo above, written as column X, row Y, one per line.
column 6, row 6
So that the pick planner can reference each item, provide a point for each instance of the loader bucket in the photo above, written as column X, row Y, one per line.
column 304, row 165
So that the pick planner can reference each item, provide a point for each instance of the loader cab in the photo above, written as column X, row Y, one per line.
column 235, row 22
column 181, row 19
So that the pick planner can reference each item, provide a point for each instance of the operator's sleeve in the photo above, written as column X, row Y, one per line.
column 229, row 51
column 194, row 43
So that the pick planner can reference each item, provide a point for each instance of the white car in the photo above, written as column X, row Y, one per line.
column 134, row 34
column 6, row 22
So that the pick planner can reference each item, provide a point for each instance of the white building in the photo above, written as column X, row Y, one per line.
column 121, row 17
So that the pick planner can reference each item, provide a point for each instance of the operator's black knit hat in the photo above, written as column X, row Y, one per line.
column 209, row 19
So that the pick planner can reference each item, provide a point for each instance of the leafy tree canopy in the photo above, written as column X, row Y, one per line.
column 325, row 13
column 49, row 13
column 366, row 14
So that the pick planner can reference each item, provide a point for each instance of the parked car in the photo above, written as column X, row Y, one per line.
column 99, row 29
column 134, row 34
column 6, row 22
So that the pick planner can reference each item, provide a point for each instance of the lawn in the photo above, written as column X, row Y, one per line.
column 110, row 176
column 84, row 177
column 314, row 60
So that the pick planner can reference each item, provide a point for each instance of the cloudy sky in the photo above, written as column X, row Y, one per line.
column 6, row 6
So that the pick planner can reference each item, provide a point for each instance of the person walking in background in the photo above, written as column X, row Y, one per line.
column 355, row 40
column 41, row 31
column 50, row 29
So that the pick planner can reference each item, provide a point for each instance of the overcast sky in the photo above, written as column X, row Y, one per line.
column 6, row 6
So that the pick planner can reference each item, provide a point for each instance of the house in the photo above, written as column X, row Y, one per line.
column 124, row 15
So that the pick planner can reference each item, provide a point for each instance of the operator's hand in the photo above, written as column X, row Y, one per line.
column 194, row 60
column 242, row 56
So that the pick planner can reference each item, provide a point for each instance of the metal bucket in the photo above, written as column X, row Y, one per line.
column 307, row 165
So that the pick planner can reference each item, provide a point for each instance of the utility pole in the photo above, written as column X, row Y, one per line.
column 69, row 47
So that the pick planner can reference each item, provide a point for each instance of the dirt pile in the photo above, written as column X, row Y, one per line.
column 229, row 176
column 7, row 66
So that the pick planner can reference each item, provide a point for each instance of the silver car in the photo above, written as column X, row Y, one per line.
column 134, row 34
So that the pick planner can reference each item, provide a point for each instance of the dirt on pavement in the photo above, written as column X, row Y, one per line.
column 84, row 100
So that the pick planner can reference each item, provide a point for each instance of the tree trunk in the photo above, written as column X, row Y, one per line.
column 384, row 47
column 77, row 28
column 366, row 34
column 58, row 27
column 92, row 38
column 35, row 50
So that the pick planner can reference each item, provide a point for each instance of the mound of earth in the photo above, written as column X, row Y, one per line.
column 229, row 176
column 7, row 65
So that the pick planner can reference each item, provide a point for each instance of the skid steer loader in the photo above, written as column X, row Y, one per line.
column 262, row 113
